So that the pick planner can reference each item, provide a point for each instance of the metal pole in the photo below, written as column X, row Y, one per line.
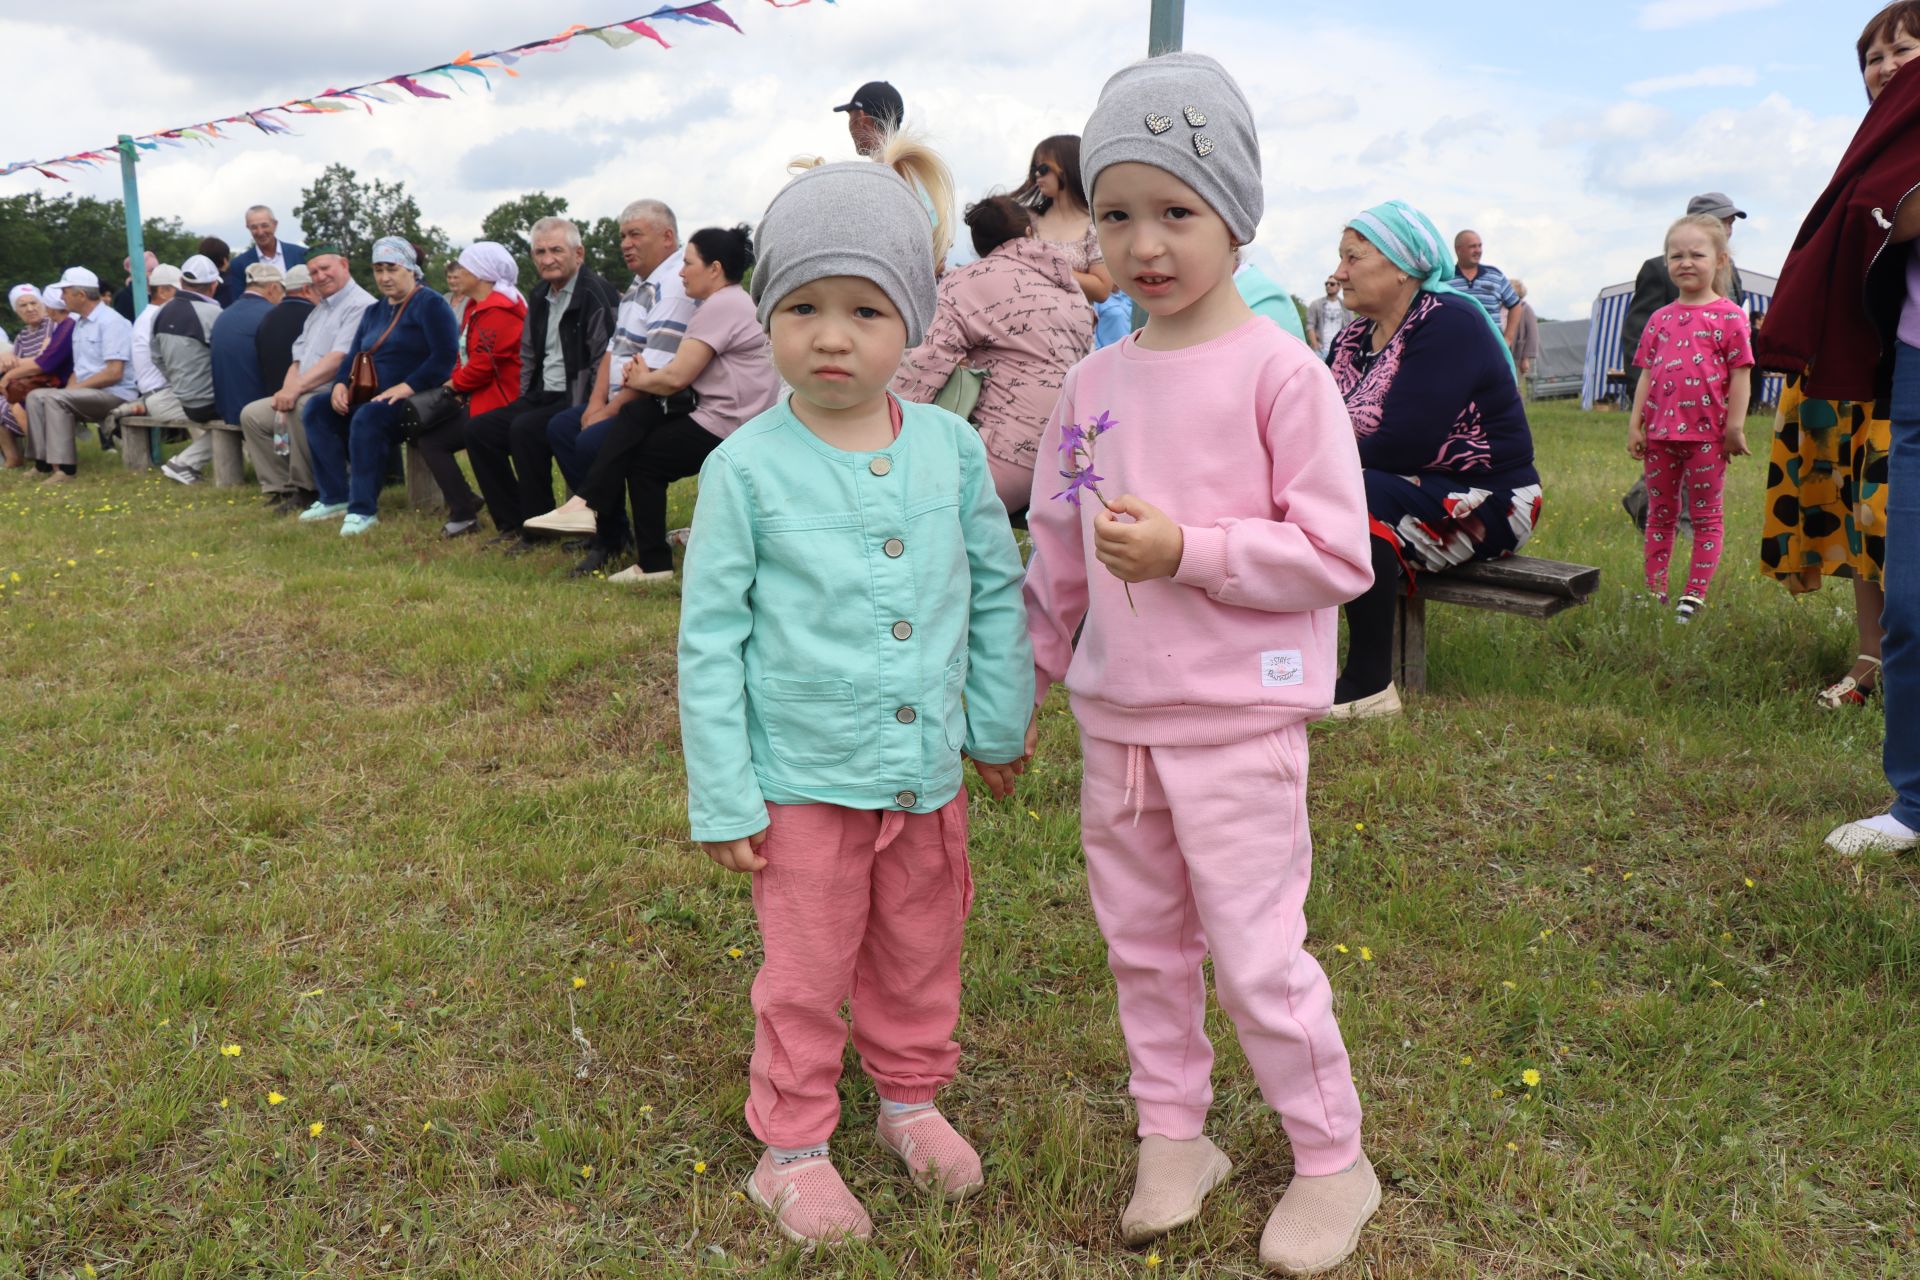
column 136, row 247
column 1166, row 27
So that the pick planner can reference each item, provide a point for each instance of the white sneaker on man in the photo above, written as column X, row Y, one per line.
column 633, row 575
column 1882, row 833
column 179, row 474
column 579, row 520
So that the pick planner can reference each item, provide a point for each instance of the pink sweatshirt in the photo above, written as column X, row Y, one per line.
column 1245, row 443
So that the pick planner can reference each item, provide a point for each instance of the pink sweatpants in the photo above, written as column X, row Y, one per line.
column 862, row 906
column 1695, row 470
column 1211, row 851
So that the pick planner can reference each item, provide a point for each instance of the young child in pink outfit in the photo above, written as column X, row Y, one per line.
column 1690, row 405
column 1214, row 521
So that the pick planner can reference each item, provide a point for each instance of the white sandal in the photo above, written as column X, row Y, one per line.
column 1847, row 691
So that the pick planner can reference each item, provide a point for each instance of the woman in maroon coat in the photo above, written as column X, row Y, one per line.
column 488, row 375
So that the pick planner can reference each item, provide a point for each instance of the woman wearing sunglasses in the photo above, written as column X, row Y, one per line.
column 1059, row 204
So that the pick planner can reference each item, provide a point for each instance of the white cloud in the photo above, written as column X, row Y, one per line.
column 1704, row 78
column 1666, row 15
column 1569, row 192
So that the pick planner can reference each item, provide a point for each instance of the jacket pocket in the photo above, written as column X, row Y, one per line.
column 954, row 704
column 810, row 724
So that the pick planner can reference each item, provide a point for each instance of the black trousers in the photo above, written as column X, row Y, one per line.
column 645, row 451
column 512, row 460
column 438, row 447
column 1369, row 666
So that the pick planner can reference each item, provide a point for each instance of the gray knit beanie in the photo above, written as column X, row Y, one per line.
column 1183, row 113
column 855, row 218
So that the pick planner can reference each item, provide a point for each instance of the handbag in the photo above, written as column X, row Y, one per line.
column 425, row 410
column 363, row 380
column 17, row 389
column 961, row 395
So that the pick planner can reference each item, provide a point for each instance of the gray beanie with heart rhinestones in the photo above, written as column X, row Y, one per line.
column 1183, row 113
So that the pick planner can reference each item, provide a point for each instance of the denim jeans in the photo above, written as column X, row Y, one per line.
column 1900, row 650
column 574, row 447
column 350, row 455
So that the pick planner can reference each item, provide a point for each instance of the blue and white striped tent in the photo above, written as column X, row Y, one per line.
column 1603, row 337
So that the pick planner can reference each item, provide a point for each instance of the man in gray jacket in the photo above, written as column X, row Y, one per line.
column 182, row 351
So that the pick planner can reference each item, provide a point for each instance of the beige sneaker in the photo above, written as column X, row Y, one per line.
column 1173, row 1178
column 1317, row 1223
column 1384, row 703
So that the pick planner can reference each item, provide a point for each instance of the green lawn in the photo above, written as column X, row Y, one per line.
column 396, row 816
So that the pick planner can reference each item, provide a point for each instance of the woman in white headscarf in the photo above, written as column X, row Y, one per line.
column 488, row 375
column 42, row 355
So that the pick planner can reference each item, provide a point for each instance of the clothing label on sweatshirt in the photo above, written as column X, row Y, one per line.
column 1280, row 667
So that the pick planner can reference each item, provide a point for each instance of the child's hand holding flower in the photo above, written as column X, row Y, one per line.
column 1148, row 547
column 736, row 855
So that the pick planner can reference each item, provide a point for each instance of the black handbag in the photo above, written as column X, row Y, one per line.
column 425, row 410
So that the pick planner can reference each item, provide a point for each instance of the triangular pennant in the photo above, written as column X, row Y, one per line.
column 416, row 89
column 714, row 13
column 640, row 28
column 614, row 37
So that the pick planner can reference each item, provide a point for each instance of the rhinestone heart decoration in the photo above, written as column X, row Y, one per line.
column 1203, row 144
column 1158, row 124
column 1195, row 118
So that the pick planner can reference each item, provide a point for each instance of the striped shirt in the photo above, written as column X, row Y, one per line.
column 1489, row 288
column 652, row 319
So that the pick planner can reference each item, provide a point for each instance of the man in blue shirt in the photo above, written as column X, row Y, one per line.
column 1487, row 284
column 102, row 378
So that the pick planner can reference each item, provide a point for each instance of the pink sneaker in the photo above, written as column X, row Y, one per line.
column 808, row 1201
column 934, row 1153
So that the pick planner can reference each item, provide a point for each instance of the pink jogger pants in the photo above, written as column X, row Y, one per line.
column 1211, row 851
column 860, row 906
column 1694, row 472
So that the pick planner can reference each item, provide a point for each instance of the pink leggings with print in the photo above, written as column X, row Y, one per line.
column 1695, row 470
column 1197, row 850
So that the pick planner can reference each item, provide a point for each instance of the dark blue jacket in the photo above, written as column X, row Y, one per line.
column 236, row 282
column 236, row 357
column 422, row 349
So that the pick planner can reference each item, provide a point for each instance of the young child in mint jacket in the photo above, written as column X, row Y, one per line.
column 851, row 621
column 1208, row 591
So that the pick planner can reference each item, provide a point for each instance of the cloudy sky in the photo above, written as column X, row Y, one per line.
column 1568, row 135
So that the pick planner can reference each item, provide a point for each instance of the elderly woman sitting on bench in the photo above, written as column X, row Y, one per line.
column 1444, row 443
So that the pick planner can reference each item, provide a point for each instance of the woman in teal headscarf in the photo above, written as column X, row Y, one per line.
column 1444, row 443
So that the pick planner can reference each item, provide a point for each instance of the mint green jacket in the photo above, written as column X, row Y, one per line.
column 849, row 622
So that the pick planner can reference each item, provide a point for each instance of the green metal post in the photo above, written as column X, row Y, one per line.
column 136, row 244
column 1166, row 27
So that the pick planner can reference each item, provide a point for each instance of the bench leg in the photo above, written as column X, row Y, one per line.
column 229, row 459
column 1410, row 644
column 136, row 447
column 422, row 492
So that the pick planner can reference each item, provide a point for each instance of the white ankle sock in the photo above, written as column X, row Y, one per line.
column 892, row 1110
column 1887, row 824
column 784, row 1156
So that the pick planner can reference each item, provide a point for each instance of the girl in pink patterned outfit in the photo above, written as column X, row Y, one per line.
column 1690, row 406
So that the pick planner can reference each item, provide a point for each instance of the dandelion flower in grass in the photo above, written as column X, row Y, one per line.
column 426, row 1125
column 1530, row 1078
column 586, row 1171
column 317, row 1128
column 739, row 1195
column 1466, row 1059
column 1509, row 984
column 1366, row 953
column 1341, row 947
column 578, row 982
column 1033, row 815
column 275, row 1098
column 1499, row 1093
column 1747, row 880
column 1359, row 826
column 1513, row 1146
column 229, row 1050
column 73, row 564
column 734, row 953
column 1153, row 1260
column 223, row 1104
column 1626, row 875
column 86, row 1269
column 164, row 1022
column 646, row 1108
column 699, row 1166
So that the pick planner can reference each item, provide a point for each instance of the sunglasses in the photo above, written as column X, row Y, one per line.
column 1042, row 169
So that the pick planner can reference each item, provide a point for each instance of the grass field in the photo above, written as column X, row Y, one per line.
column 391, row 830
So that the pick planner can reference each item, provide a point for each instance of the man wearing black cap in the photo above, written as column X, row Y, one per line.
column 874, row 109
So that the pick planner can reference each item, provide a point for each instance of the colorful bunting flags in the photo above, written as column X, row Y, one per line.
column 617, row 35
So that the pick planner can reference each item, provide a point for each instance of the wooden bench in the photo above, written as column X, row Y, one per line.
column 229, row 451
column 1519, row 585
column 230, row 456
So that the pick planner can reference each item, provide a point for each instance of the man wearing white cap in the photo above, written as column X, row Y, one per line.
column 102, row 378
column 155, row 400
column 183, row 348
